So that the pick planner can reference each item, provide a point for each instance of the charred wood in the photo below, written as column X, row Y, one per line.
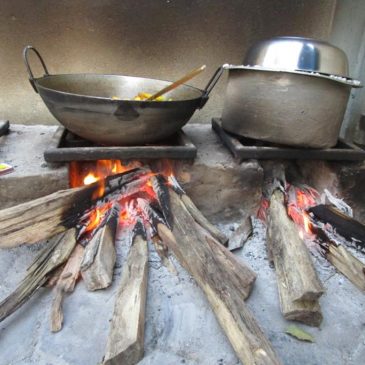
column 298, row 284
column 215, row 278
column 42, row 218
column 54, row 255
column 125, row 344
column 343, row 260
column 346, row 226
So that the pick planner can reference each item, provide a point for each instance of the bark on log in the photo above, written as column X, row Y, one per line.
column 298, row 284
column 42, row 218
column 215, row 278
column 54, row 255
column 99, row 274
column 65, row 284
column 126, row 336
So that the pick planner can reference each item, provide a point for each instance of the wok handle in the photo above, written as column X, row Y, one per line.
column 211, row 83
column 26, row 61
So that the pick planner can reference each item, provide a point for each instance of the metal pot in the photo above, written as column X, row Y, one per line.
column 84, row 104
column 291, row 93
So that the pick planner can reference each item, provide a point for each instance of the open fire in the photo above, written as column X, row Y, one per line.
column 296, row 218
column 151, row 207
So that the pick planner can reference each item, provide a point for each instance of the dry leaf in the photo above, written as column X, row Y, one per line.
column 299, row 333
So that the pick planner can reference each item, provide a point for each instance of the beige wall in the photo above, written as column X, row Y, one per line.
column 150, row 38
column 348, row 33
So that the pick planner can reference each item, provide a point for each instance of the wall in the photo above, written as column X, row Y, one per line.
column 348, row 33
column 158, row 39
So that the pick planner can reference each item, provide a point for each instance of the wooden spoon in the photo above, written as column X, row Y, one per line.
column 177, row 83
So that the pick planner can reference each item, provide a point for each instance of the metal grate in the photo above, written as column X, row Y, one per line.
column 66, row 147
column 245, row 148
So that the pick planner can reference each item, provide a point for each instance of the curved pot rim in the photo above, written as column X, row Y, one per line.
column 341, row 79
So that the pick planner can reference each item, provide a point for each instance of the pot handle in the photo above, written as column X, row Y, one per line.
column 211, row 83
column 26, row 61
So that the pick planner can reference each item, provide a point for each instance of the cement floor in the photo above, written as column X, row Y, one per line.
column 180, row 326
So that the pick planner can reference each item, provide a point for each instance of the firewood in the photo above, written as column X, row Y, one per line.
column 99, row 274
column 215, row 278
column 241, row 275
column 200, row 218
column 241, row 234
column 344, row 225
column 298, row 284
column 196, row 213
column 343, row 260
column 347, row 264
column 163, row 252
column 42, row 218
column 126, row 337
column 65, row 284
column 54, row 255
column 53, row 277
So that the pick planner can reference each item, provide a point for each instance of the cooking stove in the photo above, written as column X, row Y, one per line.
column 245, row 148
column 66, row 146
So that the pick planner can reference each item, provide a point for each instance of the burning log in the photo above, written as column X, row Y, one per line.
column 126, row 336
column 42, row 218
column 65, row 284
column 241, row 234
column 207, row 262
column 346, row 226
column 97, row 271
column 344, row 261
column 196, row 213
column 54, row 255
column 298, row 284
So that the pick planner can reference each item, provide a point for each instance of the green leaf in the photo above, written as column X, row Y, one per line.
column 299, row 334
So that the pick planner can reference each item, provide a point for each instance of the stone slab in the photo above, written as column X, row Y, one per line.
column 232, row 188
column 32, row 177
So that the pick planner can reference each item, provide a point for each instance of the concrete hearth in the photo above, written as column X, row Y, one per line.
column 180, row 325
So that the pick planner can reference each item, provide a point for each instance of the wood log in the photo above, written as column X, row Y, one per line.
column 346, row 226
column 200, row 218
column 65, row 284
column 241, row 234
column 298, row 284
column 54, row 255
column 347, row 264
column 215, row 278
column 125, row 344
column 99, row 274
column 343, row 260
column 241, row 275
column 53, row 277
column 42, row 218
column 163, row 252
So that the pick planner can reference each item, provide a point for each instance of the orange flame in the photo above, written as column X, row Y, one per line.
column 97, row 216
column 90, row 178
column 87, row 172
